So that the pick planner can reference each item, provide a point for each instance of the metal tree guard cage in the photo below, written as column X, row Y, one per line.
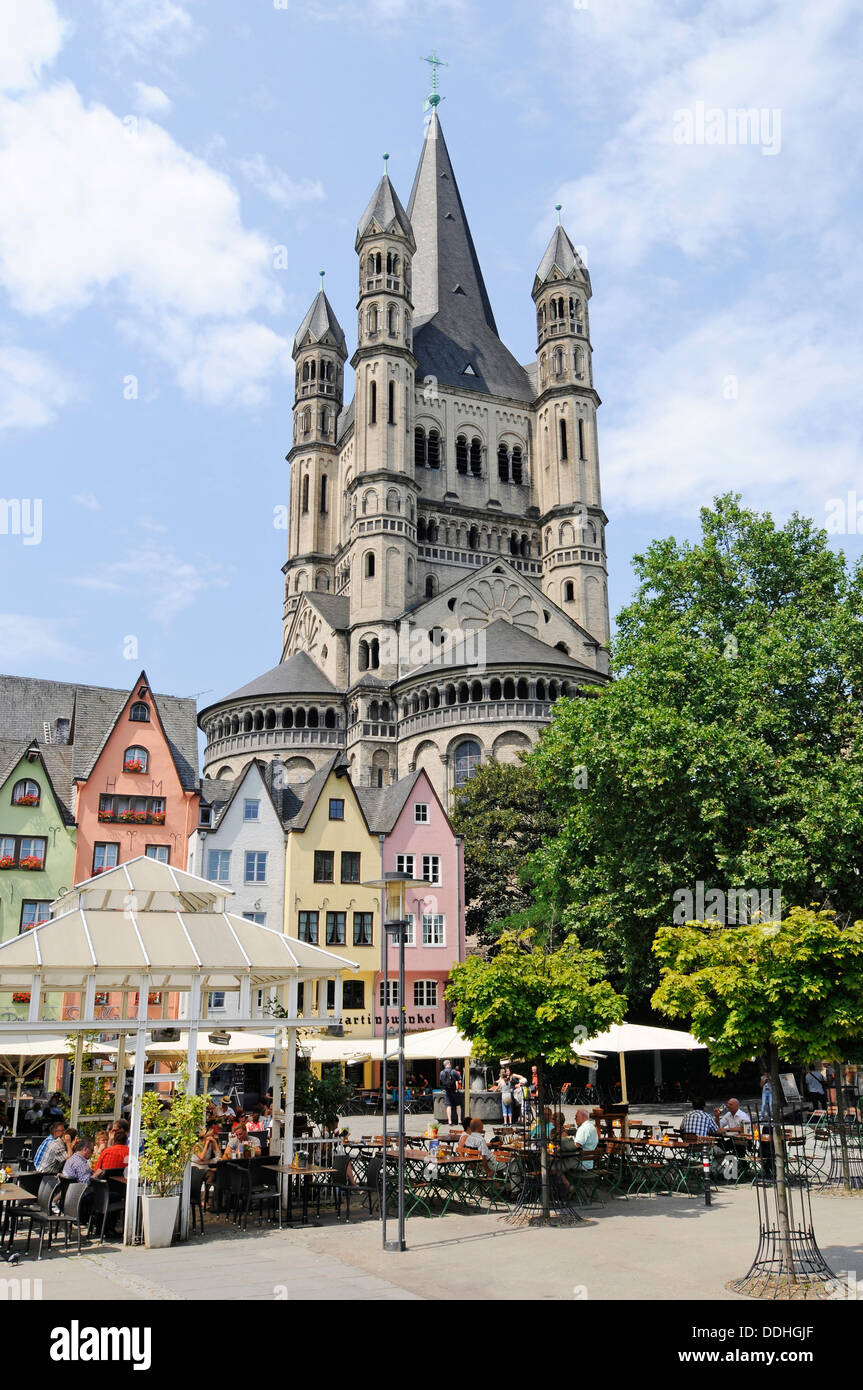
column 541, row 1174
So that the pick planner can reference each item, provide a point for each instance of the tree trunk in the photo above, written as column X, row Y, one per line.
column 543, row 1142
column 840, row 1121
column 779, row 1151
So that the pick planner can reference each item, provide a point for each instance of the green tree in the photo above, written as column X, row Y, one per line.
column 169, row 1136
column 504, row 820
column 532, row 1002
column 728, row 749
column 321, row 1098
column 791, row 990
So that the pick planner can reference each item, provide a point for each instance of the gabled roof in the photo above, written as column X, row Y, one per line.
column 561, row 253
column 455, row 334
column 506, row 645
column 56, row 761
column 382, row 806
column 297, row 676
column 310, row 792
column 28, row 704
column 320, row 320
column 386, row 212
column 334, row 609
column 285, row 800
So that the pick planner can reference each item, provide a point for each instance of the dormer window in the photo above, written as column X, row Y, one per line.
column 135, row 759
column 26, row 793
column 140, row 713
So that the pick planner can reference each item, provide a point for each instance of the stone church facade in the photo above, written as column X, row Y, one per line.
column 446, row 576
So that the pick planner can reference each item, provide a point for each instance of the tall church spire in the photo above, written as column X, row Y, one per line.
column 456, row 337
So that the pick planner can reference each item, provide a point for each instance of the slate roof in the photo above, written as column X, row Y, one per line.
column 560, row 252
column 27, row 704
column 382, row 806
column 308, row 792
column 320, row 319
column 506, row 645
column 454, row 325
column 219, row 792
column 57, row 761
column 386, row 209
column 334, row 610
column 297, row 676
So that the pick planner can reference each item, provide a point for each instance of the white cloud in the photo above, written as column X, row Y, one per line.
column 31, row 35
column 232, row 363
column 136, row 28
column 88, row 500
column 32, row 389
column 278, row 186
column 151, row 101
column 25, row 641
column 156, row 577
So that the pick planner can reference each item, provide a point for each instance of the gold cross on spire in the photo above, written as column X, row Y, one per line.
column 434, row 62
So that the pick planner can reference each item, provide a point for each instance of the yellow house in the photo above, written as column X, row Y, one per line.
column 330, row 852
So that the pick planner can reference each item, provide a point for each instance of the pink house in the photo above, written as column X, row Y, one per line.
column 422, row 843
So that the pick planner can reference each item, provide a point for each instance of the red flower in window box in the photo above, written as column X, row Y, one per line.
column 107, row 815
column 21, row 996
column 133, row 817
column 156, row 817
column 133, row 765
column 28, row 799
column 30, row 862
column 103, row 869
column 7, row 862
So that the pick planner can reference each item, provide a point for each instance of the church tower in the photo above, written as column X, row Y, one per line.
column 574, row 573
column 319, row 353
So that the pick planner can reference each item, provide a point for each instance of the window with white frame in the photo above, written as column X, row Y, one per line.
column 256, row 866
column 251, row 809
column 34, row 911
column 421, row 812
column 431, row 868
column 392, row 994
column 259, row 917
column 158, row 852
column 425, row 994
column 410, row 929
column 217, row 999
column 106, row 855
column 219, row 865
column 405, row 864
column 434, row 928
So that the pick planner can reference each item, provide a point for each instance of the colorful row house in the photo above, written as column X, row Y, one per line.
column 37, row 832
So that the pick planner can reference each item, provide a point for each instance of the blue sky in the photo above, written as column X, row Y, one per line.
column 155, row 153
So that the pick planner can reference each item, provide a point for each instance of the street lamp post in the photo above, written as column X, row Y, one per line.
column 395, row 928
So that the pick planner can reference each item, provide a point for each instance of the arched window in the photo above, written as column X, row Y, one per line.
column 305, row 371
column 392, row 320
column 393, row 501
column 509, row 689
column 421, row 528
column 540, row 690
column 312, row 369
column 301, row 719
column 431, row 586
column 287, row 718
column 370, row 564
column 307, row 422
column 473, row 538
column 563, row 453
column 330, row 719
column 135, row 759
column 562, row 647
column 391, row 403
column 476, row 457
column 373, row 403
column 259, row 721
column 432, row 532
column 560, row 307
column 313, row 719
column 579, row 362
column 450, row 695
column 524, row 547
column 235, row 724
column 463, row 693
column 372, row 319
column 503, row 463
column 410, row 572
column 433, row 449
column 140, row 713
column 376, row 259
column 468, row 756
column 374, row 711
column 517, row 471
column 270, row 721
column 557, row 362
column 419, row 447
column 461, row 454
column 322, row 505
column 26, row 793
column 374, row 654
column 581, row 452
column 363, row 654
column 304, row 504
column 476, row 691
column 569, row 591
column 514, row 544
column 494, row 689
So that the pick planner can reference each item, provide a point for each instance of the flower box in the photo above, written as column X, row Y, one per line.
column 7, row 862
column 21, row 996
column 133, row 817
column 26, row 800
column 30, row 862
column 107, row 815
column 156, row 817
column 133, row 765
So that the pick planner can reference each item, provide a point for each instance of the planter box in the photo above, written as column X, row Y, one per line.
column 160, row 1215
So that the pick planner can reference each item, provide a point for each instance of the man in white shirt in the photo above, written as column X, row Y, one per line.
column 733, row 1120
column 586, row 1137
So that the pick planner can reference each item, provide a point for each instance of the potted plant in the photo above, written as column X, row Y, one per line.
column 133, row 765
column 169, row 1137
column 30, row 861
column 26, row 799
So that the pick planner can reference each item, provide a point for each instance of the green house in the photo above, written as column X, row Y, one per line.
column 37, row 832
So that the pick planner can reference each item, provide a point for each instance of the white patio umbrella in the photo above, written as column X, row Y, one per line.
column 22, row 1057
column 239, row 1047
column 637, row 1037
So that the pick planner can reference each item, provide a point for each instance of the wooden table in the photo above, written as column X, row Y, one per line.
column 310, row 1171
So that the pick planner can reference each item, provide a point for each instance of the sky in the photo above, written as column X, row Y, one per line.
column 175, row 173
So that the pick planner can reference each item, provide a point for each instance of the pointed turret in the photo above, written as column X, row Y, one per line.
column 562, row 257
column 319, row 322
column 384, row 214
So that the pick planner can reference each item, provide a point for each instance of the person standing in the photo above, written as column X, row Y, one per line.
column 813, row 1083
column 449, row 1080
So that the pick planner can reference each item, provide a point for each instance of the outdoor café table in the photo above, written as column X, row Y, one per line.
column 10, row 1194
column 310, row 1171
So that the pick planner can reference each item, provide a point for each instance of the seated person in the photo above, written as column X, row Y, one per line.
column 114, row 1158
column 53, row 1153
column 585, row 1140
column 474, row 1141
column 733, row 1120
column 548, row 1125
column 77, row 1166
column 238, row 1139
column 698, row 1124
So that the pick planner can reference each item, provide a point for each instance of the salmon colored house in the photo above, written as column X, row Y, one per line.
column 135, row 799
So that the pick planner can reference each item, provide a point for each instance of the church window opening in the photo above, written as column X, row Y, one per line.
column 476, row 457
column 516, row 465
column 461, row 454
column 562, row 647
column 563, row 448
column 494, row 690
column 139, row 713
column 568, row 591
column 304, row 505
column 313, row 719
column 330, row 719
column 473, row 538
column 419, row 447
column 468, row 756
column 373, row 403
column 579, row 362
column 370, row 565
column 391, row 403
column 433, row 449
column 322, row 505
column 557, row 362
column 560, row 309
column 476, row 691
column 410, row 572
column 301, row 719
column 431, row 586
column 450, row 695
column 307, row 422
column 463, row 693
column 392, row 320
column 375, row 263
column 542, row 369
column 287, row 718
column 540, row 690
column 503, row 463
column 393, row 501
column 305, row 371
column 363, row 656
column 514, row 544
column 247, row 723
column 432, row 532
column 421, row 528
column 524, row 547
column 581, row 453
column 521, row 689
column 374, row 654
